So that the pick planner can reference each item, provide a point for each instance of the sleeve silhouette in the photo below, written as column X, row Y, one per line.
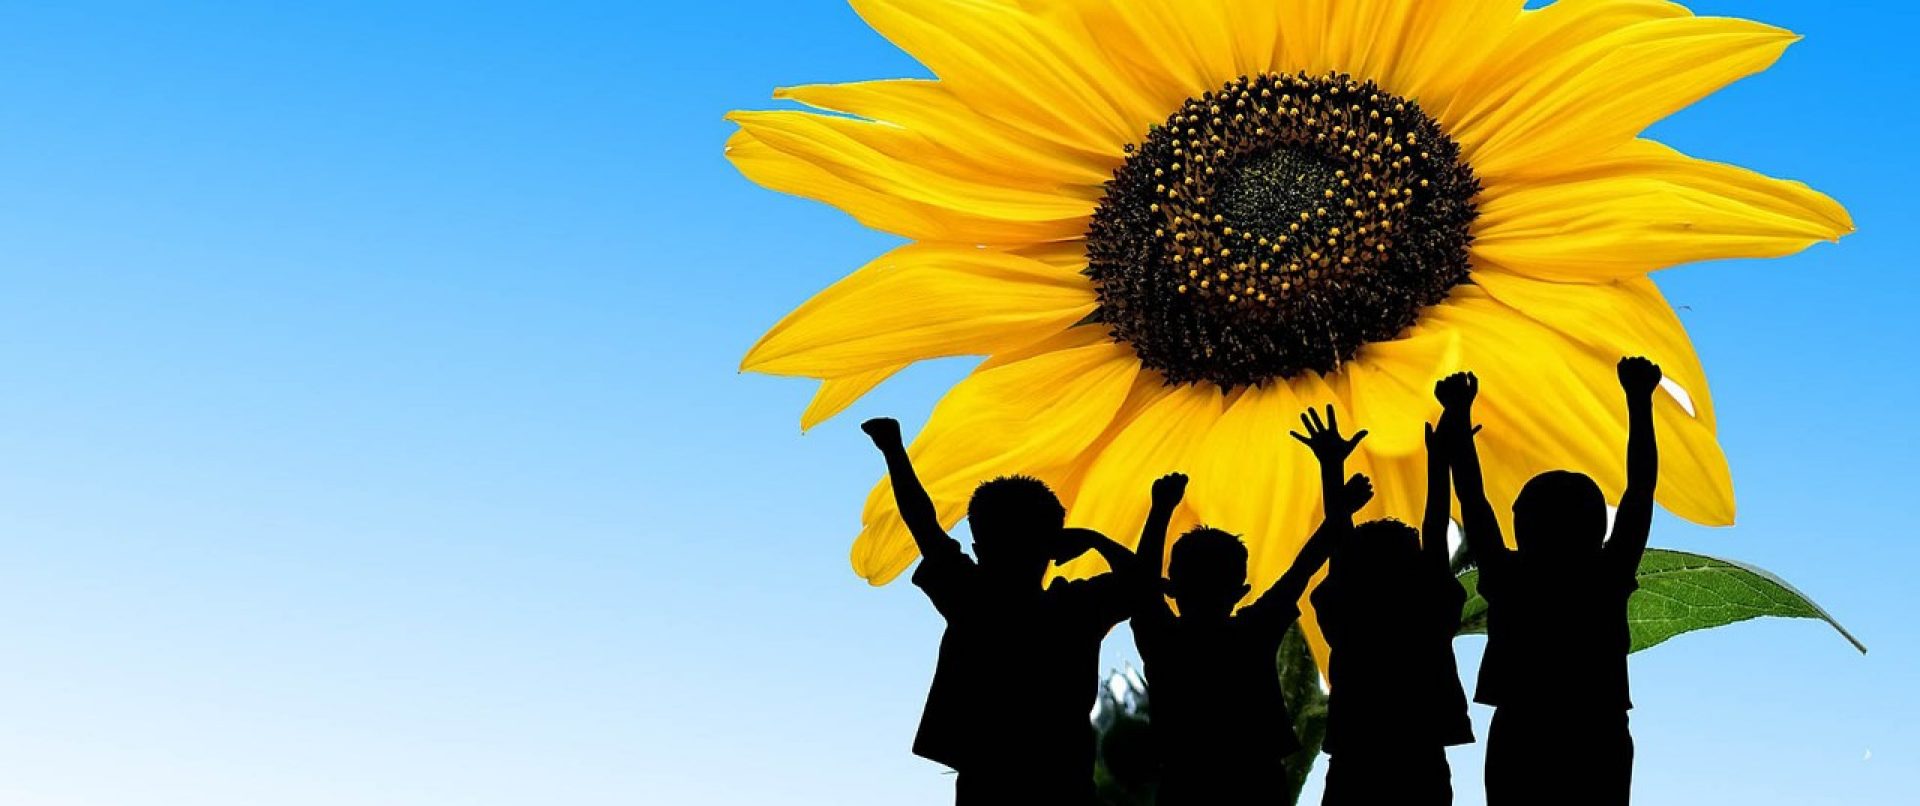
column 1339, row 502
column 1477, row 522
column 1150, row 558
column 1639, row 378
column 916, row 507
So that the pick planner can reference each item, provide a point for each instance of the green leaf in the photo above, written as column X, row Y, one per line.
column 1680, row 593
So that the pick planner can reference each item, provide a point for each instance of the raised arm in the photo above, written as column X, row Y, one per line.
column 1150, row 558
column 1339, row 501
column 1638, row 378
column 1477, row 522
column 1433, row 524
column 916, row 507
column 1338, row 526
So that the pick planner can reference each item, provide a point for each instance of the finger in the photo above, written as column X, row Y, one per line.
column 1333, row 418
column 1476, row 430
column 1303, row 440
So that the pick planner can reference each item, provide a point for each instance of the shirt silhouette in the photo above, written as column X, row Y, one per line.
column 1219, row 717
column 1018, row 666
column 1390, row 607
column 1555, row 667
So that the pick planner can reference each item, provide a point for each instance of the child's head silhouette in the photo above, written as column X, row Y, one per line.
column 1207, row 574
column 1380, row 552
column 1014, row 520
column 1559, row 514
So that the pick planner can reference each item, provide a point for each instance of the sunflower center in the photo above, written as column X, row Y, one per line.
column 1276, row 226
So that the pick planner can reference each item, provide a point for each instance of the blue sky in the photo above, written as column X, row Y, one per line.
column 372, row 432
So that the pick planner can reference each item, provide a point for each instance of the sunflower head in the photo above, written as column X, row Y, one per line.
column 1170, row 225
column 1559, row 514
column 1207, row 573
column 1007, row 514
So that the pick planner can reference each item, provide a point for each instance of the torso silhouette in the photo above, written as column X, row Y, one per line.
column 1215, row 692
column 1391, row 671
column 1556, row 635
column 1018, row 671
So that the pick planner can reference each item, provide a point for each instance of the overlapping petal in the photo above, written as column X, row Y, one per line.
column 1597, row 95
column 879, row 158
column 836, row 394
column 923, row 301
column 1645, row 207
column 1549, row 403
column 1007, row 63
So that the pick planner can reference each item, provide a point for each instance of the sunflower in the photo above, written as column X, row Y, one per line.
column 1171, row 225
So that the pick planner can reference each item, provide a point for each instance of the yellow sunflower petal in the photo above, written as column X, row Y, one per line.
column 836, row 394
column 1647, row 207
column 1252, row 479
column 1609, row 320
column 1399, row 485
column 1163, row 438
column 770, row 168
column 1540, row 36
column 885, row 159
column 1548, row 404
column 1388, row 387
column 1418, row 49
column 1007, row 63
column 1032, row 417
column 922, row 301
column 1591, row 98
column 957, row 139
column 1630, row 317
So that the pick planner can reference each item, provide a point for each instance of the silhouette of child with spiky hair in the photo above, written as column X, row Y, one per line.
column 1555, row 667
column 1390, row 607
column 1019, row 663
column 1219, row 716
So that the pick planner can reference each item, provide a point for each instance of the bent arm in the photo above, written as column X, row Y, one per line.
column 916, row 506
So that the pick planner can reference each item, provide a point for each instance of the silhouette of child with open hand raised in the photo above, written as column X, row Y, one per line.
column 1219, row 717
column 1390, row 607
column 1019, row 663
column 1555, row 667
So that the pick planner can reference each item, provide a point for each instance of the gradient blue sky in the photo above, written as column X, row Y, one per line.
column 372, row 434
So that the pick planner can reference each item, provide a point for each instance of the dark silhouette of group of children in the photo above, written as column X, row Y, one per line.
column 1018, row 663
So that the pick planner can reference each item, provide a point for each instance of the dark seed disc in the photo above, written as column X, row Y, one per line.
column 1276, row 226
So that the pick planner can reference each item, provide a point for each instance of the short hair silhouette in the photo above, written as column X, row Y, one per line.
column 1012, row 505
column 1207, row 571
column 1559, row 513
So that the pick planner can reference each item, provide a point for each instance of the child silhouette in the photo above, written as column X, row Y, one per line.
column 1218, row 713
column 1555, row 668
column 1019, row 663
column 1390, row 607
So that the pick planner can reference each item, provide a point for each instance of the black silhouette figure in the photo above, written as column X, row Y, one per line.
column 1390, row 607
column 1555, row 667
column 1218, row 713
column 1019, row 663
